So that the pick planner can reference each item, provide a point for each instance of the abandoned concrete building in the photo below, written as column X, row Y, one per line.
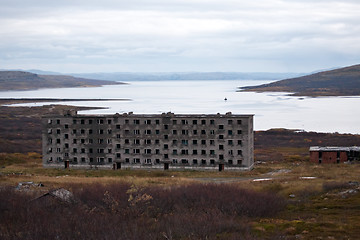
column 149, row 141
column 334, row 154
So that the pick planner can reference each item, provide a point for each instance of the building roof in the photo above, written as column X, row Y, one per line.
column 334, row 149
column 131, row 114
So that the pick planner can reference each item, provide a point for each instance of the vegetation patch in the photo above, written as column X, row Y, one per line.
column 124, row 211
column 7, row 159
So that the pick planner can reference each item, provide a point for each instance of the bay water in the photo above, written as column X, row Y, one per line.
column 272, row 110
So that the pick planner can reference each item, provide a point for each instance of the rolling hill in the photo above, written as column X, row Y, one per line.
column 179, row 76
column 338, row 82
column 19, row 80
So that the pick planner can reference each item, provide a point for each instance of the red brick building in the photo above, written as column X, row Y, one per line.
column 334, row 154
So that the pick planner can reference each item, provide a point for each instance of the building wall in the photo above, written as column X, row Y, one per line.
column 328, row 156
column 149, row 141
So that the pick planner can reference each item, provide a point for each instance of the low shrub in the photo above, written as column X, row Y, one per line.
column 123, row 211
column 329, row 186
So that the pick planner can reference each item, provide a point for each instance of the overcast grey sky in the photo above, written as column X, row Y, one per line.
column 179, row 35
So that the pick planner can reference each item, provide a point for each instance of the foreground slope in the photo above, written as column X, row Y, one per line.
column 19, row 80
column 339, row 82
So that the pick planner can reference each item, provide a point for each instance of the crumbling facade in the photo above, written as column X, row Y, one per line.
column 149, row 141
column 334, row 154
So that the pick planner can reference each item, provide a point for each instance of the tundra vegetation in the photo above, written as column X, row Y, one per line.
column 284, row 196
column 125, row 211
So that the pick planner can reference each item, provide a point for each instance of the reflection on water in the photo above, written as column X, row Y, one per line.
column 272, row 110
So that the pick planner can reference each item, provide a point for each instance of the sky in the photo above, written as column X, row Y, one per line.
column 83, row 36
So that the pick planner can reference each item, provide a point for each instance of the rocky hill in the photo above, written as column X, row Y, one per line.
column 19, row 80
column 338, row 82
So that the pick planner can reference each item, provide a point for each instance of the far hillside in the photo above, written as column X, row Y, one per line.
column 19, row 80
column 178, row 76
column 338, row 82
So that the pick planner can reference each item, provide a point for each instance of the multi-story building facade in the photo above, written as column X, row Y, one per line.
column 160, row 141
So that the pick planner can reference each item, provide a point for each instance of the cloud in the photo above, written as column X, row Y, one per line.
column 264, row 35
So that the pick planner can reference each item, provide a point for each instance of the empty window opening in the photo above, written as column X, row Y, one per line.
column 184, row 152
column 184, row 161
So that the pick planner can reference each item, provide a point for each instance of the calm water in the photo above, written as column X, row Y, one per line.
column 272, row 110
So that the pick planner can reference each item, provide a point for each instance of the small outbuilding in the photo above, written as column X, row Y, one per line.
column 334, row 154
